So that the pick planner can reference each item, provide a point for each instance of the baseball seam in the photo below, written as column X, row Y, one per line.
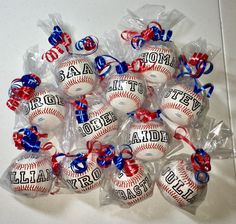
column 98, row 112
column 142, row 126
column 30, row 166
column 72, row 62
column 191, row 93
column 148, row 146
column 40, row 111
column 162, row 50
column 31, row 188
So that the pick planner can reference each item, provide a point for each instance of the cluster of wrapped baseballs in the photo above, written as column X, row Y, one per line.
column 118, row 121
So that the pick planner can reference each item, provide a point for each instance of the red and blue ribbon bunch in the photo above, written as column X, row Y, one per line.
column 200, row 161
column 81, row 111
column 22, row 89
column 145, row 115
column 153, row 32
column 195, row 68
column 88, row 44
column 28, row 139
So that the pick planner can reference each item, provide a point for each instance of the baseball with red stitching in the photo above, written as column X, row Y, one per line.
column 161, row 63
column 126, row 92
column 149, row 141
column 81, row 182
column 31, row 174
column 178, row 185
column 181, row 105
column 102, row 124
column 132, row 190
column 76, row 76
column 46, row 109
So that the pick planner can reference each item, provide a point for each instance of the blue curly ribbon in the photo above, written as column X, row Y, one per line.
column 79, row 164
column 30, row 80
column 201, row 68
column 56, row 36
column 30, row 141
column 105, row 67
column 82, row 111
column 105, row 157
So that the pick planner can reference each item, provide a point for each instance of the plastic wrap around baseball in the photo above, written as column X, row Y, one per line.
column 30, row 175
column 147, row 135
column 58, row 37
column 123, row 83
column 178, row 184
column 153, row 36
column 93, row 119
column 128, row 182
column 46, row 110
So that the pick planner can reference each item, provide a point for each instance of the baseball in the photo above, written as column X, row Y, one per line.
column 149, row 141
column 76, row 76
column 178, row 185
column 181, row 105
column 161, row 62
column 46, row 110
column 81, row 182
column 102, row 124
column 131, row 190
column 31, row 175
column 125, row 92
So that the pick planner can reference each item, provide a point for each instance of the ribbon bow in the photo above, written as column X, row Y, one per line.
column 104, row 67
column 81, row 111
column 22, row 89
column 195, row 68
column 88, row 44
column 200, row 160
column 154, row 32
column 28, row 139
column 56, row 36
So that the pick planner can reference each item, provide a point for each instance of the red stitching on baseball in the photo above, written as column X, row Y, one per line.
column 179, row 107
column 158, row 49
column 181, row 202
column 31, row 188
column 129, row 95
column 41, row 92
column 100, row 111
column 127, row 78
column 143, row 126
column 51, row 111
column 78, row 81
column 184, row 176
column 147, row 146
column 73, row 62
column 105, row 130
column 199, row 96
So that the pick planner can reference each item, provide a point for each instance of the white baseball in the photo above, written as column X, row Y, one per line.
column 126, row 92
column 178, row 185
column 181, row 105
column 31, row 175
column 102, row 124
column 161, row 62
column 46, row 110
column 149, row 141
column 76, row 76
column 81, row 182
column 131, row 190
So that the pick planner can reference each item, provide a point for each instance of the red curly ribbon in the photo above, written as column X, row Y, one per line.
column 145, row 115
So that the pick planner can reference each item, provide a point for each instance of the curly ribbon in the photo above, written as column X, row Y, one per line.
column 104, row 67
column 56, row 36
column 88, row 44
column 22, row 89
column 202, row 66
column 81, row 111
column 106, row 156
column 63, row 41
column 28, row 139
column 145, row 115
column 154, row 32
column 200, row 160
column 124, row 163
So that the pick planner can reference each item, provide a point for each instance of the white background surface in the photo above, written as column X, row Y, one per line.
column 19, row 32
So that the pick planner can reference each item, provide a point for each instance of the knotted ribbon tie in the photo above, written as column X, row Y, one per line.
column 144, row 115
column 28, row 139
column 81, row 111
column 88, row 44
column 104, row 67
column 200, row 160
column 153, row 32
column 201, row 66
column 22, row 89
